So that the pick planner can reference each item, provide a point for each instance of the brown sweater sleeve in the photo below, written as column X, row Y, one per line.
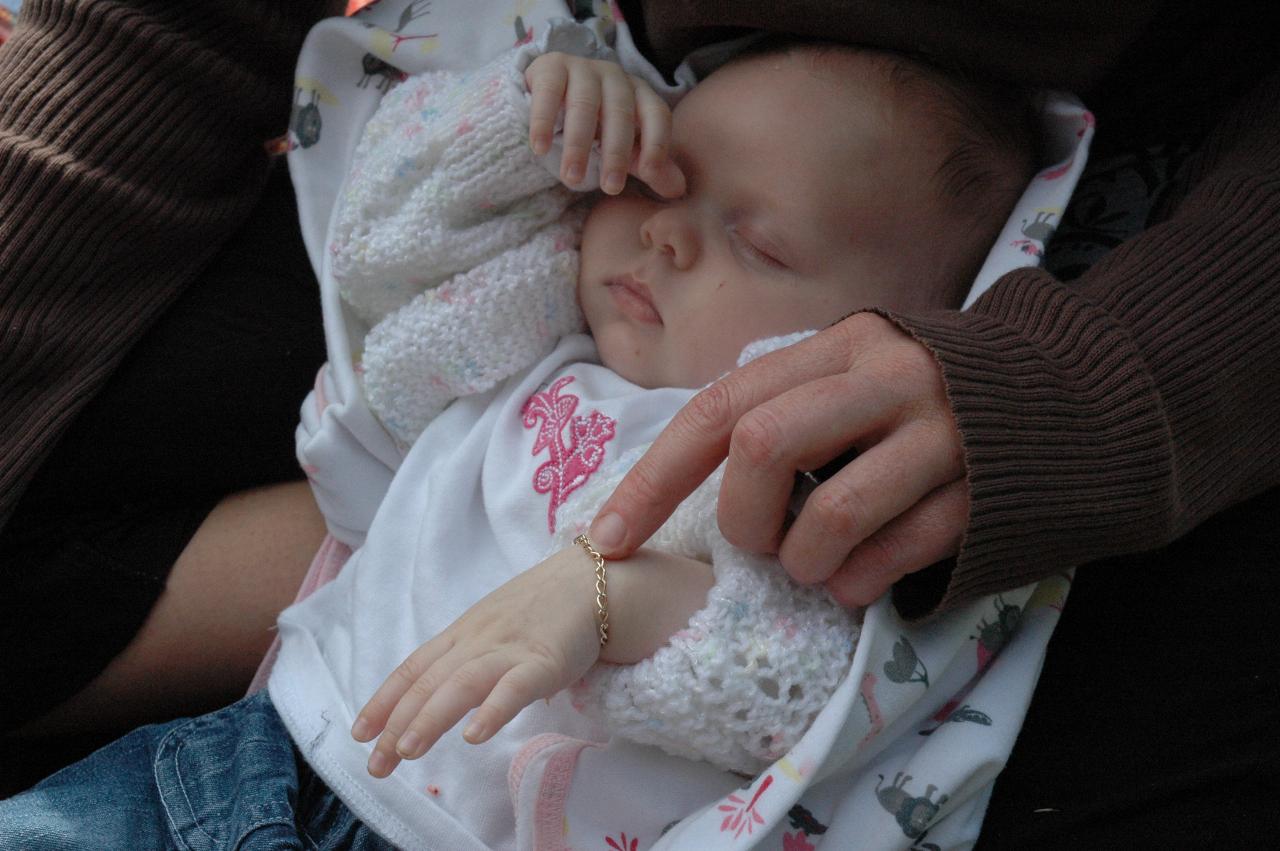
column 131, row 147
column 1111, row 414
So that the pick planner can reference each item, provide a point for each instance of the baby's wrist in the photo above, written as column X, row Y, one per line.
column 652, row 595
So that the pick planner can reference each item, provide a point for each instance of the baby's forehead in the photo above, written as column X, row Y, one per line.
column 829, row 71
column 807, row 115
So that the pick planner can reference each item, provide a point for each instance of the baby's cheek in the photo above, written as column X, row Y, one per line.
column 708, row 353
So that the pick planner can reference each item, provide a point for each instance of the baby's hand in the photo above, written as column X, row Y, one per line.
column 529, row 639
column 593, row 91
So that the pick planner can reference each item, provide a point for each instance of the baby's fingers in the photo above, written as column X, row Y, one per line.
column 653, row 163
column 581, row 111
column 547, row 80
column 518, row 688
column 408, row 675
column 617, row 131
column 461, row 692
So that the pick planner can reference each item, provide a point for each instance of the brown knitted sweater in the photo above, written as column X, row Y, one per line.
column 1113, row 413
column 131, row 147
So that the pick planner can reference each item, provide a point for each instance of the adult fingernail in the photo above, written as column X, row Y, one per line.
column 608, row 531
column 362, row 730
column 409, row 745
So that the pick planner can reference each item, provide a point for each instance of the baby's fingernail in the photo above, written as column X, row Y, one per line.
column 573, row 174
column 379, row 764
column 474, row 731
column 613, row 182
column 362, row 730
column 608, row 532
column 409, row 745
column 541, row 145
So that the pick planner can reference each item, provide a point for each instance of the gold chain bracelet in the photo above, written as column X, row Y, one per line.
column 602, row 587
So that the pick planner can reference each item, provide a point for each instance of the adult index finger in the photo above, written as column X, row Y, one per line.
column 697, row 439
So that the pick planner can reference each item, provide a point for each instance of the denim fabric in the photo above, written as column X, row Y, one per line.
column 228, row 780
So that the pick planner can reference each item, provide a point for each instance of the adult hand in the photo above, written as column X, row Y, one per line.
column 901, row 504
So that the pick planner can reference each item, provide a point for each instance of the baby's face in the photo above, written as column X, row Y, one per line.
column 806, row 200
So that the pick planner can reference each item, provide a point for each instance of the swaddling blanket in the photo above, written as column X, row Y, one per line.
column 864, row 775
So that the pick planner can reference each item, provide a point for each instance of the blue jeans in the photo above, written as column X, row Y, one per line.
column 230, row 779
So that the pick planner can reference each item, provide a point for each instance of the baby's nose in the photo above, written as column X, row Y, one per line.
column 669, row 231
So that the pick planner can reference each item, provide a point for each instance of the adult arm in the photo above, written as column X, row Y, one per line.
column 131, row 147
column 1113, row 413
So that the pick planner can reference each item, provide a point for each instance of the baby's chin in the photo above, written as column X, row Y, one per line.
column 649, row 365
column 654, row 375
column 631, row 365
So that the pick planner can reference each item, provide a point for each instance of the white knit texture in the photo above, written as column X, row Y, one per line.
column 442, row 180
column 455, row 243
column 743, row 682
column 477, row 329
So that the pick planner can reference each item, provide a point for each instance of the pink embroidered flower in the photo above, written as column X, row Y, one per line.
column 573, row 463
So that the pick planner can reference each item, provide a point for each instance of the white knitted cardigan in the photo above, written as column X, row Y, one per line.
column 459, row 248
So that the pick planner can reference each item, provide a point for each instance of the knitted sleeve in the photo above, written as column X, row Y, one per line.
column 131, row 147
column 454, row 242
column 744, row 680
column 1113, row 413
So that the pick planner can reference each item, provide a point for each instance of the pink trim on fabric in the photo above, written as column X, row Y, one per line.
column 326, row 565
column 553, row 789
column 867, row 688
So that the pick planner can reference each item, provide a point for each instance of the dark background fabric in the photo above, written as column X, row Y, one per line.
column 1156, row 721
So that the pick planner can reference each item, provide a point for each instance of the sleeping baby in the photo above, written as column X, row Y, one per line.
column 795, row 185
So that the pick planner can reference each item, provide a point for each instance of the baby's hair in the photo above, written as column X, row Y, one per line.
column 986, row 133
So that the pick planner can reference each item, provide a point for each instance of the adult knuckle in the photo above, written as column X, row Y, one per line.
column 856, row 328
column 757, row 438
column 837, row 511
column 711, row 410
column 881, row 555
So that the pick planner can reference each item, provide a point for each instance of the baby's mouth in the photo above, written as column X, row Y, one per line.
column 634, row 299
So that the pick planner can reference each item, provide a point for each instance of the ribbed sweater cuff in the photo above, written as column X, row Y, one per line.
column 1067, row 451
